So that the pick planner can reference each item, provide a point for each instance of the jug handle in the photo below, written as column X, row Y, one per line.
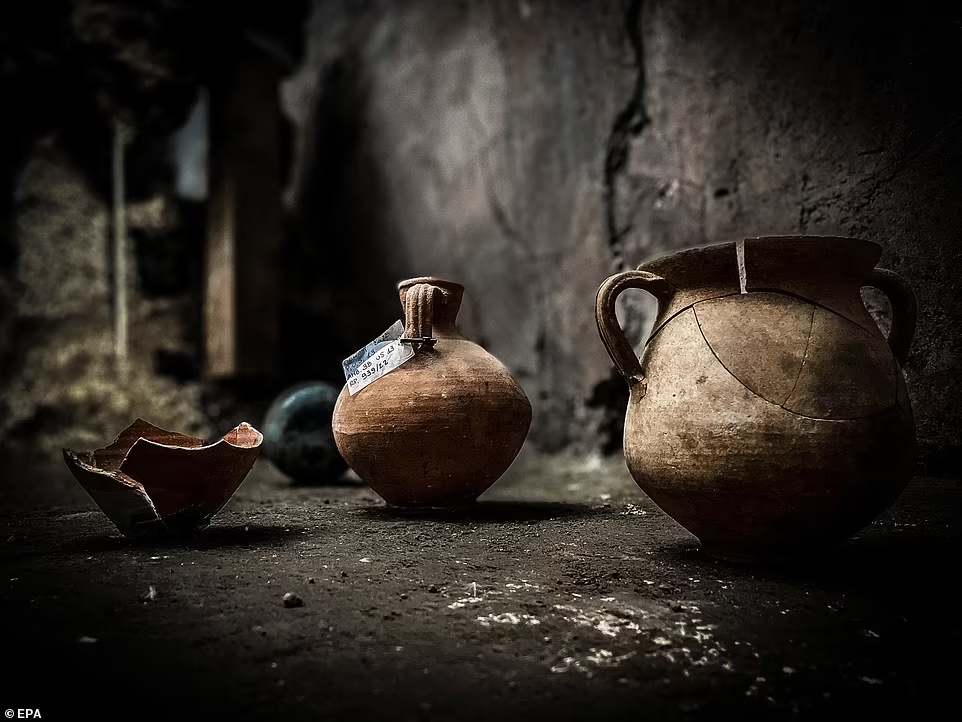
column 904, row 310
column 612, row 336
column 419, row 315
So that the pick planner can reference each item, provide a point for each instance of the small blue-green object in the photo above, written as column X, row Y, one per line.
column 298, row 438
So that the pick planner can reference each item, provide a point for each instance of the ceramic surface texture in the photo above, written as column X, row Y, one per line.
column 445, row 425
column 768, row 414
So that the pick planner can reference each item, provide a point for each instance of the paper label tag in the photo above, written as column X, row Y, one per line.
column 377, row 359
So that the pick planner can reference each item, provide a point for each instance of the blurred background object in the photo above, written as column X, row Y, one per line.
column 298, row 438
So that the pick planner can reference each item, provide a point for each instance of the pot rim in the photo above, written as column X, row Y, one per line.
column 851, row 240
column 433, row 280
column 793, row 241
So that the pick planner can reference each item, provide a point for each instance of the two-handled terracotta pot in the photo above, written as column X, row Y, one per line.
column 445, row 425
column 768, row 414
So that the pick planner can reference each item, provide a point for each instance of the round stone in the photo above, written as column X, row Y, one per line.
column 298, row 438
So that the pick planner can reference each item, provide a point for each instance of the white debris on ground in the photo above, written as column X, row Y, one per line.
column 609, row 624
column 686, row 642
column 508, row 618
column 524, row 584
column 473, row 597
column 596, row 658
column 650, row 628
column 467, row 601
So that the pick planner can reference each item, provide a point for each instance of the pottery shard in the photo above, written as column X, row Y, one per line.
column 799, row 356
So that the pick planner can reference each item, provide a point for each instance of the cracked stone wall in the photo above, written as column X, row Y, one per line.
column 530, row 148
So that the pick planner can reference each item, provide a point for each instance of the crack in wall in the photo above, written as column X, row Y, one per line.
column 629, row 124
column 611, row 395
column 805, row 206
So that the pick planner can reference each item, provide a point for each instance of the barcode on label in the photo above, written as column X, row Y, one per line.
column 377, row 359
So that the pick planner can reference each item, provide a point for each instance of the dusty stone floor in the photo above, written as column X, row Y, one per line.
column 566, row 592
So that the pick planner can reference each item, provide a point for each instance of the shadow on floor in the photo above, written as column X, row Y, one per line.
column 324, row 482
column 219, row 537
column 487, row 512
column 883, row 562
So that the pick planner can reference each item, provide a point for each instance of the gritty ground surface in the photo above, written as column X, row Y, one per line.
column 565, row 592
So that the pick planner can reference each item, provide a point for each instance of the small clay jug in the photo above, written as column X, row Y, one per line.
column 768, row 414
column 443, row 426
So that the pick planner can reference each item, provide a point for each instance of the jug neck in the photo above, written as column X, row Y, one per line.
column 436, row 306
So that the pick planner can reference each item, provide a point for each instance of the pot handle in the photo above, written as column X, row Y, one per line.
column 904, row 310
column 419, row 314
column 612, row 336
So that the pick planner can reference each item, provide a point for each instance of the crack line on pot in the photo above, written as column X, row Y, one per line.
column 754, row 393
column 801, row 366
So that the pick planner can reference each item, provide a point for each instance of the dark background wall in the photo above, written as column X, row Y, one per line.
column 529, row 149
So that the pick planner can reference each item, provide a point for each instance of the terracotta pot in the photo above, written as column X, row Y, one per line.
column 446, row 424
column 768, row 414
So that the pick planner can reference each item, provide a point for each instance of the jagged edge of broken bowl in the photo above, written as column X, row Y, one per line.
column 153, row 481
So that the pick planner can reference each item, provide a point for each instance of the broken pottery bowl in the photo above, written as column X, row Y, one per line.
column 151, row 481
